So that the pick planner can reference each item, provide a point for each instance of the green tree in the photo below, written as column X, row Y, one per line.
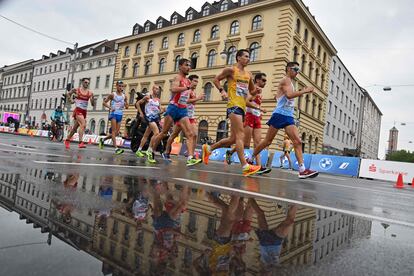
column 401, row 155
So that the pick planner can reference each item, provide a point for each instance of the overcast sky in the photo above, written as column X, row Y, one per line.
column 374, row 39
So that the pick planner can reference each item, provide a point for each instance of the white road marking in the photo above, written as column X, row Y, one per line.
column 14, row 146
column 35, row 153
column 383, row 191
column 303, row 203
column 95, row 165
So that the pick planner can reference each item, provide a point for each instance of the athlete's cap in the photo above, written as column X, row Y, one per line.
column 120, row 82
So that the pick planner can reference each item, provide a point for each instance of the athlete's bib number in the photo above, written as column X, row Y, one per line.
column 190, row 110
column 241, row 89
column 183, row 98
column 290, row 103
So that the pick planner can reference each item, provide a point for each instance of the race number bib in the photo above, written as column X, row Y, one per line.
column 241, row 89
column 190, row 110
column 184, row 97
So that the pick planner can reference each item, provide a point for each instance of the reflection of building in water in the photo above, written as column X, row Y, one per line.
column 125, row 248
column 334, row 230
column 8, row 187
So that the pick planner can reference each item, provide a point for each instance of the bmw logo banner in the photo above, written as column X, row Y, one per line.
column 335, row 164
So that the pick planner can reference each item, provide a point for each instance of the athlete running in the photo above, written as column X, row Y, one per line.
column 191, row 115
column 177, row 112
column 252, row 123
column 83, row 96
column 282, row 117
column 150, row 114
column 286, row 152
column 119, row 101
column 240, row 84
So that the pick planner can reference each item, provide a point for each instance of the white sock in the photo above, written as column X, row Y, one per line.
column 149, row 149
column 302, row 168
column 245, row 166
column 139, row 149
column 189, row 157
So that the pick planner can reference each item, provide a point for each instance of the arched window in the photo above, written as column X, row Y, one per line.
column 319, row 51
column 257, row 23
column 313, row 107
column 92, row 126
column 202, row 131
column 323, row 81
column 305, row 36
column 222, row 130
column 138, row 49
column 215, row 32
column 136, row 69
column 295, row 54
column 206, row 11
column 297, row 26
column 165, row 43
column 131, row 97
column 177, row 62
column 320, row 111
column 207, row 91
column 124, row 70
column 150, row 46
column 310, row 70
column 224, row 6
column 197, row 36
column 313, row 43
column 127, row 51
column 317, row 76
column 211, row 58
column 102, row 127
column 194, row 58
column 231, row 56
column 147, row 68
column 324, row 57
column 303, row 62
column 310, row 144
column 234, row 27
column 307, row 103
column 190, row 15
column 316, row 145
column 162, row 65
column 180, row 39
column 303, row 141
column 174, row 20
column 254, row 51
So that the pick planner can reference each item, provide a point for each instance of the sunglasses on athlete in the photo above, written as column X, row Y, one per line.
column 296, row 69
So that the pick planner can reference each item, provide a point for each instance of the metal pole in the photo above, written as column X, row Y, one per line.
column 72, row 69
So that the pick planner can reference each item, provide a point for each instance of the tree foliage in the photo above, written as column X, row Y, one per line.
column 401, row 155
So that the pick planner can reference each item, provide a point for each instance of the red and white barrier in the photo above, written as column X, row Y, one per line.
column 386, row 170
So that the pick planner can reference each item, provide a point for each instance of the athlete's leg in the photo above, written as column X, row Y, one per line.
column 195, row 131
column 257, row 137
column 189, row 133
column 156, row 139
column 267, row 141
column 293, row 134
column 283, row 229
column 238, row 130
column 115, row 131
column 176, row 130
column 289, row 159
column 73, row 131
column 144, row 137
column 261, row 218
column 82, row 125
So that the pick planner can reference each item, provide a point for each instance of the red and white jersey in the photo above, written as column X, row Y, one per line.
column 82, row 99
column 254, row 111
column 181, row 99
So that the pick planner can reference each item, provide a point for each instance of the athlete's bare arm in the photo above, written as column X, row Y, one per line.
column 196, row 99
column 92, row 99
column 175, row 86
column 139, row 103
column 106, row 100
column 287, row 89
column 253, row 89
column 126, row 102
column 227, row 73
column 250, row 103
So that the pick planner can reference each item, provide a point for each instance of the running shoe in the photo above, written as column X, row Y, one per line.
column 67, row 144
column 264, row 170
column 166, row 156
column 308, row 174
column 140, row 153
column 150, row 157
column 193, row 161
column 119, row 151
column 251, row 169
column 101, row 143
column 206, row 153
column 81, row 145
column 228, row 157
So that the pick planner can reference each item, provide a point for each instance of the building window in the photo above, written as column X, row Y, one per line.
column 107, row 78
column 131, row 96
column 174, row 20
column 147, row 27
column 135, row 70
column 98, row 78
column 206, row 11
column 197, row 36
column 190, row 15
column 101, row 127
column 92, row 126
column 254, row 51
column 207, row 91
column 257, row 23
column 224, row 6
column 165, row 43
column 231, row 56
column 297, row 26
column 295, row 54
column 177, row 62
column 313, row 43
column 211, row 58
column 307, row 103
column 313, row 107
column 159, row 24
column 316, row 76
column 162, row 66
column 126, row 53
column 234, row 27
column 138, row 49
column 124, row 70
column 214, row 32
column 194, row 58
column 150, row 46
column 180, row 39
column 320, row 111
column 222, row 130
column 310, row 70
column 328, row 125
column 147, row 67
column 303, row 61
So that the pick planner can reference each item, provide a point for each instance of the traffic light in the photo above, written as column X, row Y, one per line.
column 63, row 99
column 68, row 87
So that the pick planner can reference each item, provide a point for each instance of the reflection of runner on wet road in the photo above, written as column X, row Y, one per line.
column 271, row 240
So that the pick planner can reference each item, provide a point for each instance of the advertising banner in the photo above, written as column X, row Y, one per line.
column 386, row 170
column 264, row 156
column 335, row 164
column 276, row 160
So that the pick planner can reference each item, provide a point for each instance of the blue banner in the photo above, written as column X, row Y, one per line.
column 264, row 156
column 335, row 164
column 218, row 154
column 276, row 160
